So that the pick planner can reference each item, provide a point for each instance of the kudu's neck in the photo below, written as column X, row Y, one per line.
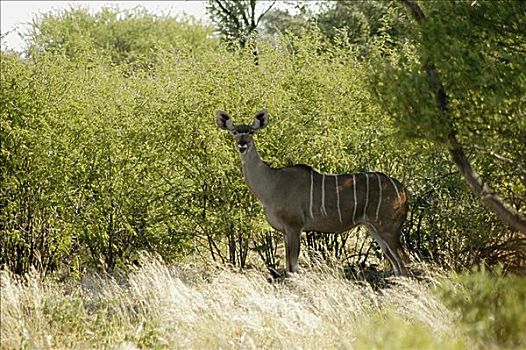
column 258, row 175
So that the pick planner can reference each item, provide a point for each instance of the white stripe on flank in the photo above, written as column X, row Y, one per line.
column 380, row 195
column 366, row 194
column 311, row 190
column 322, row 208
column 354, row 190
column 338, row 199
column 394, row 185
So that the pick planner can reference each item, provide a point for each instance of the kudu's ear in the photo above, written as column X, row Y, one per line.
column 260, row 120
column 224, row 121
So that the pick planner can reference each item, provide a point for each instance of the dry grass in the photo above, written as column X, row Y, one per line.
column 193, row 307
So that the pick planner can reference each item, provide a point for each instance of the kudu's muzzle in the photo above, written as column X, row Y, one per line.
column 242, row 146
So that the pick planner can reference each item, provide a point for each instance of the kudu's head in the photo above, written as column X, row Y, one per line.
column 242, row 133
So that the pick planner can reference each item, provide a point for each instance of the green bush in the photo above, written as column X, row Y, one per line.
column 104, row 156
column 491, row 306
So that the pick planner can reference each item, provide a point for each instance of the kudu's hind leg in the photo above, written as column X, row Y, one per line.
column 392, row 241
column 292, row 248
column 390, row 244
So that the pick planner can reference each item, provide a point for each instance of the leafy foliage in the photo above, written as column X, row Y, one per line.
column 491, row 306
column 479, row 54
column 126, row 36
column 356, row 23
column 109, row 143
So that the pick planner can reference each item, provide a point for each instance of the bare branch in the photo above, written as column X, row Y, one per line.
column 243, row 14
column 252, row 14
column 415, row 9
column 265, row 12
column 228, row 13
column 495, row 155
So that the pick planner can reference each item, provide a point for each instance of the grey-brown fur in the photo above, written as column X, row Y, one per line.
column 298, row 199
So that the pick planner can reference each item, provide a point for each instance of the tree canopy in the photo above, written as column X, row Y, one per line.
column 109, row 144
column 461, row 83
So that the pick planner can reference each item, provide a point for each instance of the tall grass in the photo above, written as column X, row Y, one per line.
column 196, row 307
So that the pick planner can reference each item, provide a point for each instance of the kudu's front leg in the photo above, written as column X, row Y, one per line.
column 292, row 248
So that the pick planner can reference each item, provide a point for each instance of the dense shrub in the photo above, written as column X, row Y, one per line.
column 491, row 306
column 103, row 158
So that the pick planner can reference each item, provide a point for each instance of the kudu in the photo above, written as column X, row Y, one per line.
column 298, row 199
